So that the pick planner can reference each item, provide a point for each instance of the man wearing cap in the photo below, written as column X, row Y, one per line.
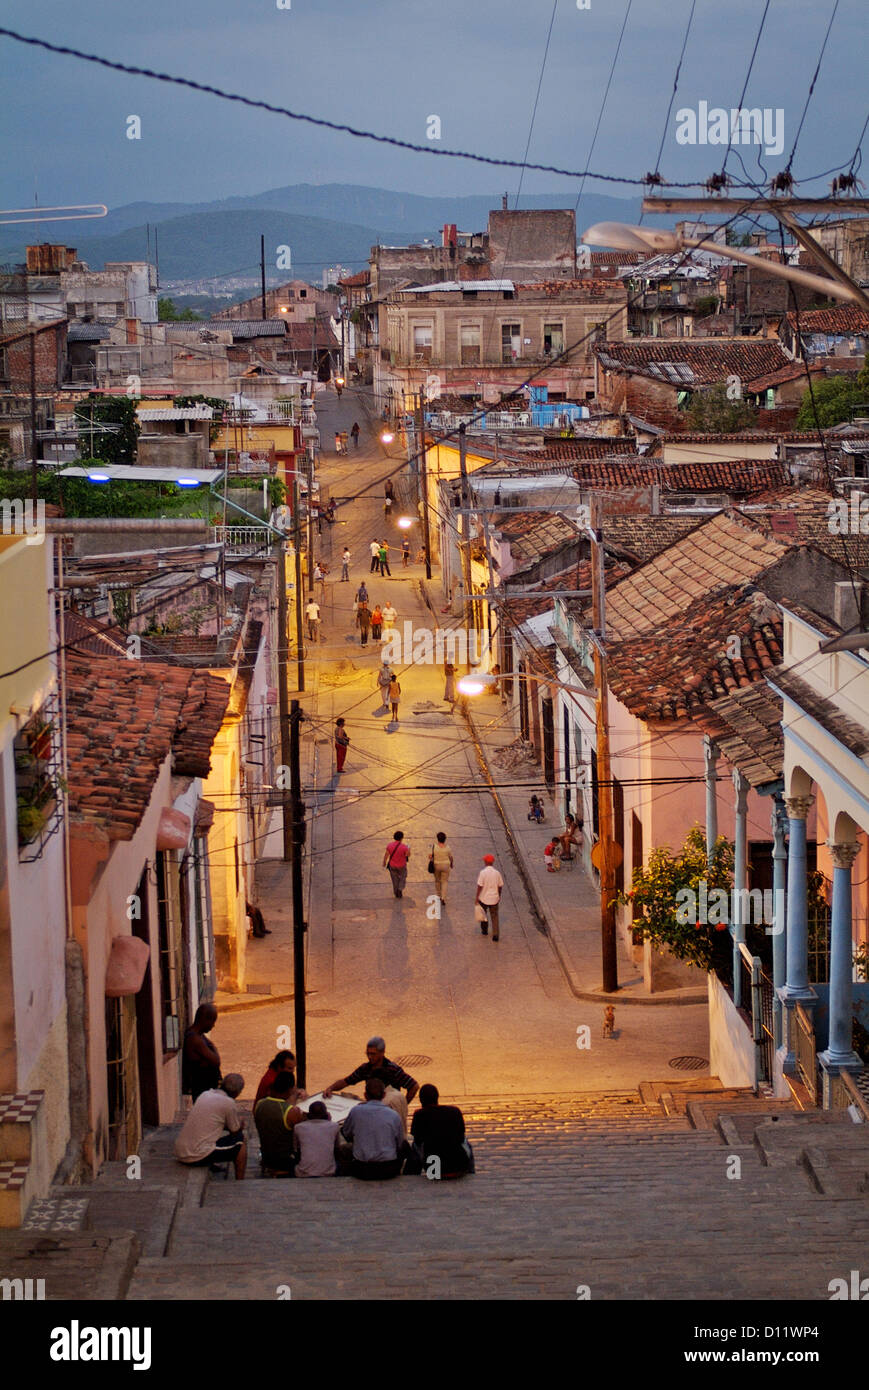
column 489, row 887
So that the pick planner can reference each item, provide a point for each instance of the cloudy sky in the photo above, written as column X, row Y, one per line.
column 388, row 65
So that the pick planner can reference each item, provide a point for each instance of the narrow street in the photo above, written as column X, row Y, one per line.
column 486, row 1018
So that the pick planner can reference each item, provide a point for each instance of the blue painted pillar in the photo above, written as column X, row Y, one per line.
column 740, row 855
column 779, row 933
column 839, row 1052
column 710, row 754
column 797, row 974
column 796, row 988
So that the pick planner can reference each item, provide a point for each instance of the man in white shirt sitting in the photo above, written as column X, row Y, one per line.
column 377, row 1135
column 214, row 1130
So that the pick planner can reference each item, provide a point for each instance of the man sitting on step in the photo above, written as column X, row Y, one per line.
column 275, row 1117
column 440, row 1148
column 214, row 1130
column 377, row 1136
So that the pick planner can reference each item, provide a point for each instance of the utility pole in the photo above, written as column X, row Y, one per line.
column 606, row 847
column 299, row 924
column 34, row 451
column 262, row 274
column 469, row 605
column 423, row 482
column 310, row 523
column 283, row 697
column 297, row 546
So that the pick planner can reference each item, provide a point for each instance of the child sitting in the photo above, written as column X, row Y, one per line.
column 552, row 856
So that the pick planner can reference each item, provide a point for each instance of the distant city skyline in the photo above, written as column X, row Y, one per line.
column 409, row 71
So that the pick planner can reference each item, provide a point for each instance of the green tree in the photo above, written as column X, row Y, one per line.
column 109, row 427
column 711, row 412
column 168, row 312
column 653, row 897
column 835, row 398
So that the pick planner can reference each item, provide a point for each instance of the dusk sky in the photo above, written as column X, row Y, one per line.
column 387, row 65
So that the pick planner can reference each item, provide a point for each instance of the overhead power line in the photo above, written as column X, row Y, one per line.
column 321, row 121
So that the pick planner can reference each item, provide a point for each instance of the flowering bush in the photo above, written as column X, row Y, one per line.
column 653, row 900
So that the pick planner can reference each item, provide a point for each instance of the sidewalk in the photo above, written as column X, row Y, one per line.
column 567, row 902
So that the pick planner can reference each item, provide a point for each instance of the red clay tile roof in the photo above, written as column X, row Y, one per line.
column 199, row 724
column 362, row 277
column 562, row 449
column 533, row 535
column 684, row 664
column 744, row 437
column 578, row 576
column 824, row 712
column 725, row 553
column 747, row 728
column 845, row 318
column 783, row 374
column 694, row 362
column 642, row 537
column 803, row 515
column 123, row 720
column 712, row 475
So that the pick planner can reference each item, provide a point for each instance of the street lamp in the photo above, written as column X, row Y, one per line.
column 404, row 523
column 386, row 437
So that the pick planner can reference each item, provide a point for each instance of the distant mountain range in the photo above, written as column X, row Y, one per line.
column 323, row 224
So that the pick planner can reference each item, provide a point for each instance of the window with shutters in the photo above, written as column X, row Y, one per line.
column 469, row 344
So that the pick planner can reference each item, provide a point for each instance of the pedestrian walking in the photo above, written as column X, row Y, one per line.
column 387, row 508
column 342, row 743
column 320, row 573
column 440, row 863
column 312, row 614
column 375, row 556
column 389, row 617
column 490, row 885
column 363, row 622
column 345, row 566
column 384, row 681
column 389, row 490
column 450, row 682
column 394, row 697
column 337, row 441
column 383, row 559
column 354, row 434
column 376, row 622
column 405, row 553
column 330, row 512
column 395, row 859
column 361, row 593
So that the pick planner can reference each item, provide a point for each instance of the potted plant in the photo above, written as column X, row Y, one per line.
column 31, row 821
column 39, row 737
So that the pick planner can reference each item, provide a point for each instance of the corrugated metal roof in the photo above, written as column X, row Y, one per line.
column 253, row 328
column 128, row 472
column 445, row 286
column 86, row 333
column 192, row 412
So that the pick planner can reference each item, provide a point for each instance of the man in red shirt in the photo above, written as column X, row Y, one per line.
column 395, row 859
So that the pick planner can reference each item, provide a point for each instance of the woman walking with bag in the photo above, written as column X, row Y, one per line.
column 395, row 860
column 440, row 863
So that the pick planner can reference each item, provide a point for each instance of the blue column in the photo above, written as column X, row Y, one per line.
column 839, row 1052
column 779, row 937
column 710, row 754
column 739, row 876
column 797, row 981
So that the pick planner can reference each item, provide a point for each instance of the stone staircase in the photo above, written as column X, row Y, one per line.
column 681, row 1190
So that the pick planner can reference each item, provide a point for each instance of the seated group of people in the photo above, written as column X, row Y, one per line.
column 371, row 1143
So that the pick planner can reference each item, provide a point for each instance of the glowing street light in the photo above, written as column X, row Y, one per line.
column 386, row 437
column 476, row 683
column 339, row 381
column 405, row 523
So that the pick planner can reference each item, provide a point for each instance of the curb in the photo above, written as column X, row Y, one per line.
column 263, row 1001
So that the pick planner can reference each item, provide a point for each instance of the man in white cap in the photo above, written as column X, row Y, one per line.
column 490, row 885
